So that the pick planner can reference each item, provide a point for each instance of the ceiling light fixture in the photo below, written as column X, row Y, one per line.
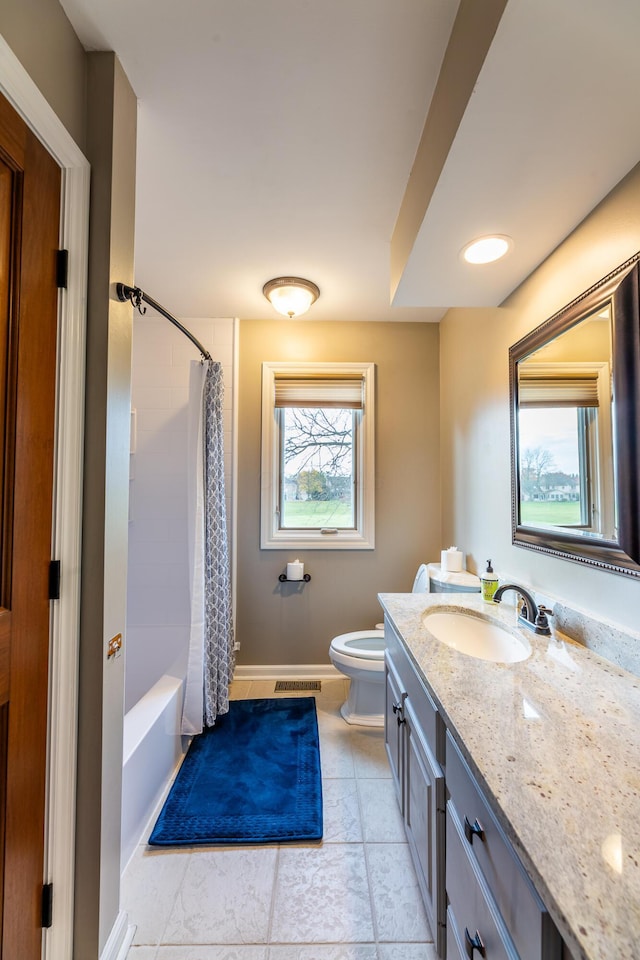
column 291, row 296
column 487, row 249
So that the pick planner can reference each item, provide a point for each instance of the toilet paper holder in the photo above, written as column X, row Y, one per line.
column 283, row 578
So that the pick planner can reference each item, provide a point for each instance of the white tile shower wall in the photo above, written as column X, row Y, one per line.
column 158, row 579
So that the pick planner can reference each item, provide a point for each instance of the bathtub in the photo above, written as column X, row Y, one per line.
column 152, row 747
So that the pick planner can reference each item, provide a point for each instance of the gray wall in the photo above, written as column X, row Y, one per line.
column 111, row 146
column 278, row 627
column 46, row 45
column 475, row 411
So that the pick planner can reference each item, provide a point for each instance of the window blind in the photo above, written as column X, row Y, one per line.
column 579, row 391
column 341, row 392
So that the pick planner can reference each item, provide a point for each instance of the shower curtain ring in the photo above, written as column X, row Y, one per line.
column 136, row 300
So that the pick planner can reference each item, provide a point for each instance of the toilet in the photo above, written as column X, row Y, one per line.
column 360, row 656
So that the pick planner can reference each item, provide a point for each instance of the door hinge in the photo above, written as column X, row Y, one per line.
column 62, row 268
column 47, row 905
column 54, row 580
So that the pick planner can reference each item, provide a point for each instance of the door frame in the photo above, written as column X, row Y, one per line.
column 18, row 87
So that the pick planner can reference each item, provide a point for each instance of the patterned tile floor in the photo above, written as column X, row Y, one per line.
column 352, row 897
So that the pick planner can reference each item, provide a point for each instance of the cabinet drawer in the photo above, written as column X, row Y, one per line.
column 522, row 910
column 472, row 912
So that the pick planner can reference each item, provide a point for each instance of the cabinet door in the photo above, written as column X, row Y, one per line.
column 424, row 821
column 393, row 732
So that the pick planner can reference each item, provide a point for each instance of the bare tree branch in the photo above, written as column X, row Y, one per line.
column 321, row 437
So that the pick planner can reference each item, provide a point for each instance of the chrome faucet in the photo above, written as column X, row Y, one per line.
column 531, row 616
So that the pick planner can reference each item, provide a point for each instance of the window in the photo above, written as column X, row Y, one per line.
column 564, row 428
column 317, row 456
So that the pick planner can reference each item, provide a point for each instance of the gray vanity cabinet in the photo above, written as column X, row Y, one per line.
column 474, row 925
column 491, row 899
column 479, row 900
column 410, row 740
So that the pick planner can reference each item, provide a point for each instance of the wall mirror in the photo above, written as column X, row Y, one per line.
column 575, row 428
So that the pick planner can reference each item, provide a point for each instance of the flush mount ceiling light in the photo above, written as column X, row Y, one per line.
column 487, row 249
column 291, row 296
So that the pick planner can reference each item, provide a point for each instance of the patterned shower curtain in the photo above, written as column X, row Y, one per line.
column 211, row 659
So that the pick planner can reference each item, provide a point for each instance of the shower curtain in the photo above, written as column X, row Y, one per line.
column 211, row 659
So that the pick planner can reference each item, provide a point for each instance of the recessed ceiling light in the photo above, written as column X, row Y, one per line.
column 487, row 249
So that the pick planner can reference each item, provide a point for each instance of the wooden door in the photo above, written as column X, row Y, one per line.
column 29, row 229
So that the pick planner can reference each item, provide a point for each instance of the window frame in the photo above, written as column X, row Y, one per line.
column 362, row 536
column 594, row 432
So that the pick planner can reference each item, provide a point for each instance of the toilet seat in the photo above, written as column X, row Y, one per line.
column 361, row 644
column 421, row 582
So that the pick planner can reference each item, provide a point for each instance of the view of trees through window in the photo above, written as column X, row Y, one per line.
column 317, row 468
column 550, row 482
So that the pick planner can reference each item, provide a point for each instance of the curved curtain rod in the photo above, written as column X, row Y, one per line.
column 137, row 296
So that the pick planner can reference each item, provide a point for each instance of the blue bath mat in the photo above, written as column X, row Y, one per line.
column 253, row 778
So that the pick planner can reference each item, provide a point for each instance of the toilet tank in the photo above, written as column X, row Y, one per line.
column 463, row 582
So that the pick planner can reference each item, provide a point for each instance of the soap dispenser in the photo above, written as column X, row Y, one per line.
column 488, row 582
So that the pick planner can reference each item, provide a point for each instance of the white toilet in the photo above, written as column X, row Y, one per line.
column 360, row 656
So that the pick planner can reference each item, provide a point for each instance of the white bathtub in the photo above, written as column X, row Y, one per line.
column 152, row 747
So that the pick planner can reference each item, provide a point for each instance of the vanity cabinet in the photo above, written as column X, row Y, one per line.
column 492, row 903
column 411, row 722
column 479, row 900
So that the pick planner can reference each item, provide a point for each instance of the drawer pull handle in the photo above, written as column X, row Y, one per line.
column 473, row 830
column 397, row 709
column 473, row 943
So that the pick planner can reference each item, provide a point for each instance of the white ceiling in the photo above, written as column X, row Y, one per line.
column 277, row 137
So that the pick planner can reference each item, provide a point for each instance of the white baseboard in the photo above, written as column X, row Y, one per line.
column 287, row 671
column 120, row 939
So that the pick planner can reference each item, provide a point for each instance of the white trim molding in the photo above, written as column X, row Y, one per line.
column 120, row 939
column 287, row 671
column 18, row 87
column 362, row 536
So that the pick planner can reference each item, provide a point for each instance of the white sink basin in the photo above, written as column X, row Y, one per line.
column 475, row 637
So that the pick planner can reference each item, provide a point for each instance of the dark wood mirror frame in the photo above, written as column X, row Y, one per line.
column 620, row 289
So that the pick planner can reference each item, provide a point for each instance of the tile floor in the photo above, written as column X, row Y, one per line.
column 352, row 897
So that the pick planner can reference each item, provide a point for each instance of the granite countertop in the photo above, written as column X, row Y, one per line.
column 555, row 741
